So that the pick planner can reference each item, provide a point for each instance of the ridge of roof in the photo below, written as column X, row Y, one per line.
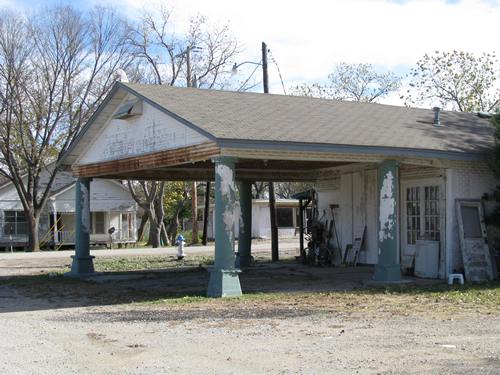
column 133, row 85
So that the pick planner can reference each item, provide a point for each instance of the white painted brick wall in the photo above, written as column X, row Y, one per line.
column 464, row 181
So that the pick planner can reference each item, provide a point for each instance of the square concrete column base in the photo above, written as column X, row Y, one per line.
column 224, row 283
column 82, row 265
column 387, row 273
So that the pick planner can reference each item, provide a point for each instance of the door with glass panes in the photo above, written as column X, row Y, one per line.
column 421, row 217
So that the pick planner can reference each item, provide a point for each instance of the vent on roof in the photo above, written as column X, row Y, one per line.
column 437, row 117
column 129, row 109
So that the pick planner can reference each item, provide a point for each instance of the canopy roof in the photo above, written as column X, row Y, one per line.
column 264, row 132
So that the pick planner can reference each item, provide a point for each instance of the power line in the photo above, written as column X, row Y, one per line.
column 250, row 76
column 279, row 72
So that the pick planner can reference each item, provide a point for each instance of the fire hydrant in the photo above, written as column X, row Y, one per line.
column 180, row 246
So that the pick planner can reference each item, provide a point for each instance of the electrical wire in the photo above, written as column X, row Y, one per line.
column 279, row 71
column 250, row 76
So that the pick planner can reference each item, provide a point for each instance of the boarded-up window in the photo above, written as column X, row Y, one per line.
column 284, row 217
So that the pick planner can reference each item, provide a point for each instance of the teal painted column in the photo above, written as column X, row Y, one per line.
column 388, row 268
column 245, row 229
column 82, row 260
column 224, row 280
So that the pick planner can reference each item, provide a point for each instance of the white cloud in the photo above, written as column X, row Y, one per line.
column 308, row 38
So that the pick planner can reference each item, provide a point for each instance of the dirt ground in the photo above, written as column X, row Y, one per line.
column 292, row 319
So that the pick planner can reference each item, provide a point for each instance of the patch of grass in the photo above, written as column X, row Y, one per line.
column 485, row 294
column 145, row 263
column 436, row 300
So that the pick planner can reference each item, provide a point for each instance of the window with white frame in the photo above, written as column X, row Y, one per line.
column 422, row 214
column 15, row 223
column 431, row 213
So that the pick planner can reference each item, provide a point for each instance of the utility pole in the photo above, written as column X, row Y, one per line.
column 272, row 197
column 265, row 78
column 207, row 212
column 194, row 187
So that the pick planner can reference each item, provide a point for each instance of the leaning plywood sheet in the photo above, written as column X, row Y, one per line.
column 351, row 254
column 472, row 233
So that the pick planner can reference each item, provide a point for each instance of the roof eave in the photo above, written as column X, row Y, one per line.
column 352, row 149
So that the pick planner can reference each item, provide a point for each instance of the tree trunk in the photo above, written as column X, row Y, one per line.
column 33, row 240
column 140, row 231
column 164, row 236
column 274, row 226
column 172, row 229
column 154, row 234
column 205, row 216
column 194, row 212
column 154, row 230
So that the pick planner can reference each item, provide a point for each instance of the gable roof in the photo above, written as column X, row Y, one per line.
column 246, row 119
column 269, row 117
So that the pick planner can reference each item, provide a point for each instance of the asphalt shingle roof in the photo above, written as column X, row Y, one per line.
column 267, row 117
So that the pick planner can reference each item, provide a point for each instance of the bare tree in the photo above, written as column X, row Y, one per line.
column 56, row 66
column 285, row 190
column 457, row 79
column 149, row 196
column 201, row 58
column 258, row 189
column 356, row 82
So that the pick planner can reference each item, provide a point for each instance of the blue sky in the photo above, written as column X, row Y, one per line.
column 308, row 38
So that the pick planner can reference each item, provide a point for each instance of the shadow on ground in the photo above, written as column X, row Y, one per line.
column 31, row 293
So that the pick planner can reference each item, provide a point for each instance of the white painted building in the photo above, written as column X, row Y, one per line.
column 287, row 211
column 426, row 205
column 111, row 205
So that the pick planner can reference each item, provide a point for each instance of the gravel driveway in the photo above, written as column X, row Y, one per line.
column 308, row 321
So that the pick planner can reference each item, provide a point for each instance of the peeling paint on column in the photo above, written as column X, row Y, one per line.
column 387, row 268
column 229, row 220
column 227, row 190
column 85, row 202
column 226, row 179
column 387, row 207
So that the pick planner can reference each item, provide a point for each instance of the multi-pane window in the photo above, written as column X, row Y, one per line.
column 15, row 223
column 431, row 218
column 422, row 214
column 412, row 214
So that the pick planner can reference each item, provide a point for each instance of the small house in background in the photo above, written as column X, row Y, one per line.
column 111, row 204
column 287, row 211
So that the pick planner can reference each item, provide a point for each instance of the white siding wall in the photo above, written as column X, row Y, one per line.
column 105, row 196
